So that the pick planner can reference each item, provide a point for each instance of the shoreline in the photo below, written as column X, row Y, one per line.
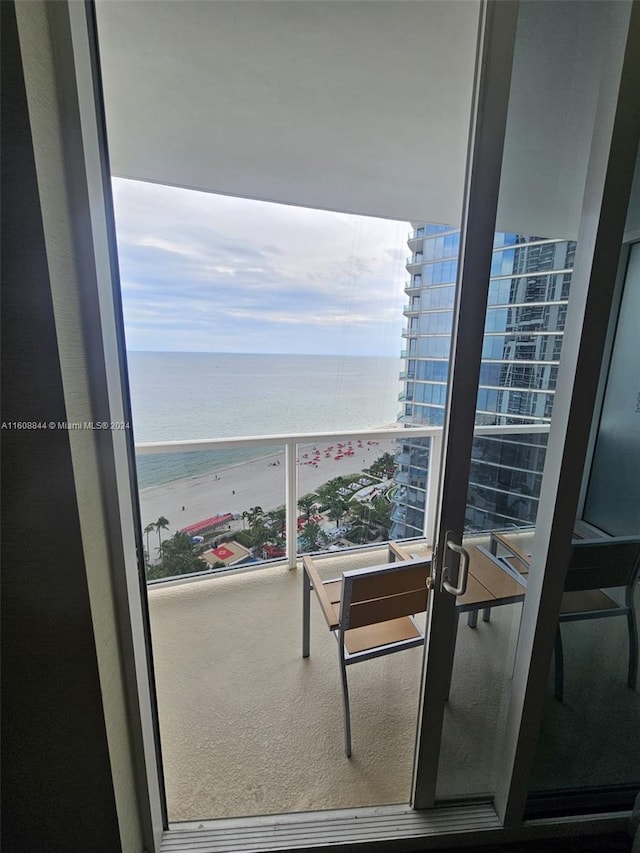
column 242, row 485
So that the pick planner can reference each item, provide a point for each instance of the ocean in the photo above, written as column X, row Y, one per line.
column 180, row 395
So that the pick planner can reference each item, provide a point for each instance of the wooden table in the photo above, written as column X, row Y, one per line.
column 490, row 583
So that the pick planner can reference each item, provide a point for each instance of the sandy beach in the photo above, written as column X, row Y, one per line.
column 260, row 482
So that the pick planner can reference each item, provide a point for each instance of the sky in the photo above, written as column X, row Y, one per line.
column 210, row 273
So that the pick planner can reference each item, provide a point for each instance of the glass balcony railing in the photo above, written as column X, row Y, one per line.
column 416, row 234
column 415, row 260
column 255, row 500
column 409, row 331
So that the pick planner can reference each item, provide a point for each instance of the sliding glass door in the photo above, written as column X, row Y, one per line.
column 537, row 266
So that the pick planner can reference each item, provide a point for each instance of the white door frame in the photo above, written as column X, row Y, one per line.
column 613, row 157
column 496, row 39
column 610, row 172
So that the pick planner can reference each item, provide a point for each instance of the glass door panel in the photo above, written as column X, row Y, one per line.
column 512, row 305
column 591, row 722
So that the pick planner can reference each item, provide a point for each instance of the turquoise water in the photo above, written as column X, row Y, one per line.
column 215, row 395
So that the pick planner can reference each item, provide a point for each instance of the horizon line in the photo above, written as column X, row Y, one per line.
column 293, row 354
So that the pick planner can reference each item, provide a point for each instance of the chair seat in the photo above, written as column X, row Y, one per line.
column 380, row 634
column 585, row 601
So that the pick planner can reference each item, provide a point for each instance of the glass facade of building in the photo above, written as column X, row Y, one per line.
column 527, row 305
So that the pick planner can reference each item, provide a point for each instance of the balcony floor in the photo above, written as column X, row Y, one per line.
column 248, row 727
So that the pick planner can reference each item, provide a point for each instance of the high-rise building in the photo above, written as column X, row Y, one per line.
column 527, row 305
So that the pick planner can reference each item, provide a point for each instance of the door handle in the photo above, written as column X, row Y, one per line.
column 463, row 571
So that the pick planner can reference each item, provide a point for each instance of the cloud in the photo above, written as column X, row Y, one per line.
column 215, row 273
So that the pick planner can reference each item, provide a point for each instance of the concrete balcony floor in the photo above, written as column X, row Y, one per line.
column 248, row 727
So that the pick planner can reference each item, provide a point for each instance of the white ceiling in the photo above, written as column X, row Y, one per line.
column 360, row 107
column 354, row 106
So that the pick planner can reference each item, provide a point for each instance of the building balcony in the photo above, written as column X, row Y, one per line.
column 414, row 235
column 249, row 727
column 409, row 308
column 236, row 700
column 404, row 396
column 409, row 331
column 413, row 286
column 399, row 514
column 414, row 260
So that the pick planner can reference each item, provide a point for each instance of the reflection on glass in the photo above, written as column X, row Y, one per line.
column 613, row 498
column 589, row 736
column 527, row 307
column 528, row 300
column 591, row 722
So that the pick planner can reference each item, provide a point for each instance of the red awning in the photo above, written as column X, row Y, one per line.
column 207, row 524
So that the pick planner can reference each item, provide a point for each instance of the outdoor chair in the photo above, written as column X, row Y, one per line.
column 370, row 611
column 594, row 565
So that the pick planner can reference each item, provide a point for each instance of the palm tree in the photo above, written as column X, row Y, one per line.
column 178, row 556
column 306, row 503
column 312, row 537
column 338, row 506
column 260, row 535
column 253, row 514
column 149, row 529
column 370, row 520
column 161, row 524
column 278, row 518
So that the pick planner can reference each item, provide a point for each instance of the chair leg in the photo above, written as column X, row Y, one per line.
column 559, row 667
column 472, row 618
column 633, row 649
column 345, row 701
column 306, row 613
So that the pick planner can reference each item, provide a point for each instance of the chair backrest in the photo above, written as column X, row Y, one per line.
column 598, row 563
column 384, row 592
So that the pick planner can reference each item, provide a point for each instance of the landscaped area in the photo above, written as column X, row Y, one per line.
column 347, row 510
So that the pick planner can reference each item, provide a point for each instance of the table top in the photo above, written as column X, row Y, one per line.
column 489, row 582
column 495, row 584
column 416, row 550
